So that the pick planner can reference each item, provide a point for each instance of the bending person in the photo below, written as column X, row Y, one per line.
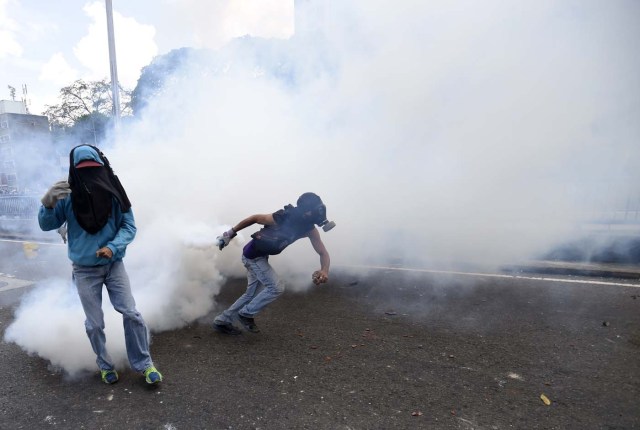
column 280, row 230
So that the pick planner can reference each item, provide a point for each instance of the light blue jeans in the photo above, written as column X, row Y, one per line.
column 263, row 287
column 89, row 281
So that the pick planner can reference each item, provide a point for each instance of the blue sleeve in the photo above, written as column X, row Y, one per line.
column 125, row 235
column 50, row 219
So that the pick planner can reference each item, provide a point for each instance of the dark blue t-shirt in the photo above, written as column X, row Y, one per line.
column 273, row 239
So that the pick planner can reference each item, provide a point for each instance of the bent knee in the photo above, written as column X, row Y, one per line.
column 278, row 288
column 91, row 327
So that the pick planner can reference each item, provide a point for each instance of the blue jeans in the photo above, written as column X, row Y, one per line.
column 89, row 281
column 263, row 287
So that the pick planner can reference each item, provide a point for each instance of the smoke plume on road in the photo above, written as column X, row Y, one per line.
column 435, row 132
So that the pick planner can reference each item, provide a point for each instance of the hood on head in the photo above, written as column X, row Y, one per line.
column 86, row 156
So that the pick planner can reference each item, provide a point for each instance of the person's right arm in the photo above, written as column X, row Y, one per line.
column 52, row 218
column 264, row 219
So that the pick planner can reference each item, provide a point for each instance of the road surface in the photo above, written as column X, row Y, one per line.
column 375, row 348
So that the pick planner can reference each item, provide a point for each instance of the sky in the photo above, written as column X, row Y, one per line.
column 47, row 45
column 439, row 134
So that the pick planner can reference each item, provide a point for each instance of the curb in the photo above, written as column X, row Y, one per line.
column 604, row 270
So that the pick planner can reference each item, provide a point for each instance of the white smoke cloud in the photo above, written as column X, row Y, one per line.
column 212, row 24
column 475, row 132
column 60, row 337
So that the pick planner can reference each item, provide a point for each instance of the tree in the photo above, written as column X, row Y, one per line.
column 82, row 99
column 85, row 111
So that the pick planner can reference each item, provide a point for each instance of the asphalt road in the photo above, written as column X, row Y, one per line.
column 373, row 349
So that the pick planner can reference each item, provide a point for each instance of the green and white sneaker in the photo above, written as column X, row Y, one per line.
column 152, row 376
column 109, row 376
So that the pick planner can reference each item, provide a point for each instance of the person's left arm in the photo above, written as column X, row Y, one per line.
column 320, row 276
column 125, row 235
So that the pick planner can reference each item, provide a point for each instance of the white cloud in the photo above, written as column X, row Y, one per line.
column 58, row 71
column 8, row 29
column 135, row 46
column 213, row 24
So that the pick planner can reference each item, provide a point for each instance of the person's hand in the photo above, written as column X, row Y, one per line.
column 104, row 253
column 58, row 191
column 225, row 238
column 319, row 277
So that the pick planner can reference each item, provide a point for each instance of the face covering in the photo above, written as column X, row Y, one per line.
column 92, row 193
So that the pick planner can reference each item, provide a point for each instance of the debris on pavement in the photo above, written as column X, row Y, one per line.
column 513, row 375
column 416, row 413
column 545, row 399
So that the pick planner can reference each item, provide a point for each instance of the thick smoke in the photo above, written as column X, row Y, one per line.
column 60, row 337
column 435, row 132
column 450, row 132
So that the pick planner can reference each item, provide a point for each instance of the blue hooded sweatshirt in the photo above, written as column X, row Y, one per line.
column 119, row 231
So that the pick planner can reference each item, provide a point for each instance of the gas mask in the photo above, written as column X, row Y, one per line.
column 319, row 217
column 310, row 202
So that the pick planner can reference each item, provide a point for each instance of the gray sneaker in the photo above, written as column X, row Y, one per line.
column 249, row 323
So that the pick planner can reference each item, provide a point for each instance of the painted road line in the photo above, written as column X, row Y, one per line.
column 8, row 283
column 32, row 241
column 494, row 275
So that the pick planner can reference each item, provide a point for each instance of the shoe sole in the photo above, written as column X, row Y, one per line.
column 224, row 330
column 252, row 330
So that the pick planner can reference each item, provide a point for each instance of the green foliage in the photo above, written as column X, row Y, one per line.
column 85, row 111
column 85, row 98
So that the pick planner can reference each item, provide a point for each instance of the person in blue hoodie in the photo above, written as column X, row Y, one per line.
column 100, row 225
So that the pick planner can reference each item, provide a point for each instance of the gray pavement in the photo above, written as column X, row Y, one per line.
column 374, row 349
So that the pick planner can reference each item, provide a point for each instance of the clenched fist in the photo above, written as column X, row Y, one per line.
column 104, row 253
column 319, row 277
